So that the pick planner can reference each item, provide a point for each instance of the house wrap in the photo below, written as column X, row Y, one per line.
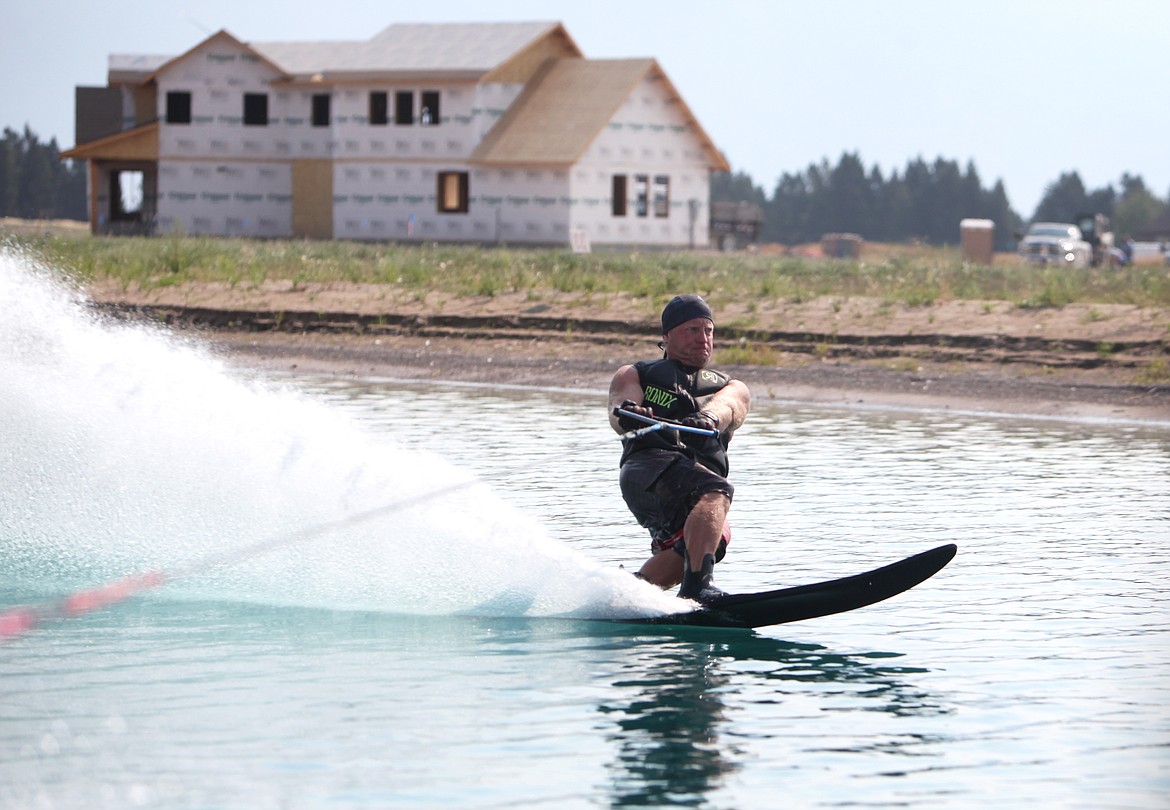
column 478, row 133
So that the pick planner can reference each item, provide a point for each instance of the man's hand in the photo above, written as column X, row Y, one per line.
column 704, row 420
column 630, row 406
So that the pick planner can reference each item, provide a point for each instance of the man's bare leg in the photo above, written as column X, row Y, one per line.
column 702, row 532
column 704, row 527
column 664, row 569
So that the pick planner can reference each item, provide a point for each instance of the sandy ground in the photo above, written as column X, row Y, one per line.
column 1100, row 361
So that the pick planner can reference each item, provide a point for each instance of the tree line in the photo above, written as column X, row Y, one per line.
column 924, row 202
column 35, row 183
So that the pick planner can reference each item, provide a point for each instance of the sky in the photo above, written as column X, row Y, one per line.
column 1026, row 90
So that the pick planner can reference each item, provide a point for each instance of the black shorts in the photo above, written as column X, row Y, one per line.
column 661, row 487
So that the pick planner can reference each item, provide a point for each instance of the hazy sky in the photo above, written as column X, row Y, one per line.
column 1026, row 89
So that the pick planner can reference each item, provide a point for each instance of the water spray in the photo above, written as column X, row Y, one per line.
column 19, row 620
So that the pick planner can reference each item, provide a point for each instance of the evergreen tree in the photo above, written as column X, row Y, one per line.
column 1100, row 201
column 816, row 218
column 10, row 159
column 71, row 201
column 738, row 187
column 897, row 209
column 927, row 202
column 36, row 190
column 1062, row 200
column 35, row 183
column 920, row 192
column 1007, row 222
column 848, row 203
column 785, row 215
column 972, row 198
column 1136, row 208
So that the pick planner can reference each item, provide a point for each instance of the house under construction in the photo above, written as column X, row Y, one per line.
column 478, row 133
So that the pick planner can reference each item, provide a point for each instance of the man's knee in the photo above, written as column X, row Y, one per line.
column 714, row 501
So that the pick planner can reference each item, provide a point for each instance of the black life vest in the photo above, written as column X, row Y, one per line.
column 674, row 391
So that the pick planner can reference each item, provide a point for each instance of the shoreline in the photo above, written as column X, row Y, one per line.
column 985, row 388
column 1077, row 361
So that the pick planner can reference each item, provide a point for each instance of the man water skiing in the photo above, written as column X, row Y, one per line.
column 675, row 483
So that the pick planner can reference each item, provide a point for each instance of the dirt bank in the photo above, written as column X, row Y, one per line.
column 1083, row 360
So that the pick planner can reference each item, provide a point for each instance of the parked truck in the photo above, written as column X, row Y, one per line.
column 1087, row 242
column 1055, row 243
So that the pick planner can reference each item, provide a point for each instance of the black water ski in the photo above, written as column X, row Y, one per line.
column 810, row 601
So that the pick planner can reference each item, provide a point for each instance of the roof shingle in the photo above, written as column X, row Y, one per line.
column 565, row 107
column 463, row 49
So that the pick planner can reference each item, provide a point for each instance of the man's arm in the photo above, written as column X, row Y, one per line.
column 730, row 406
column 624, row 385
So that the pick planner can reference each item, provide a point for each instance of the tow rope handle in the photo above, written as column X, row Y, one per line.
column 653, row 424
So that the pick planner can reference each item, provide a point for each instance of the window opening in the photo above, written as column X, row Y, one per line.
column 178, row 107
column 379, row 108
column 126, row 195
column 641, row 194
column 428, row 116
column 404, row 108
column 619, row 195
column 321, row 103
column 453, row 193
column 256, row 109
column 661, row 195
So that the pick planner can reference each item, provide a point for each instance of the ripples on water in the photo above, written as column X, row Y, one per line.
column 1031, row 671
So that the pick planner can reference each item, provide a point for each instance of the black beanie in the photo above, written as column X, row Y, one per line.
column 683, row 308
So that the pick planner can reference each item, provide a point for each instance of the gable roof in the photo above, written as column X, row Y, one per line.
column 565, row 107
column 218, row 36
column 566, row 102
column 140, row 143
column 452, row 50
column 402, row 50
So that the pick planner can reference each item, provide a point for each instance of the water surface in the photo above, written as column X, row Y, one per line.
column 441, row 651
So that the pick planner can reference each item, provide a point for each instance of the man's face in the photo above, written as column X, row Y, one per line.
column 691, row 342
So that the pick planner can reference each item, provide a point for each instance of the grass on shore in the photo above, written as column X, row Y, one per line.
column 910, row 275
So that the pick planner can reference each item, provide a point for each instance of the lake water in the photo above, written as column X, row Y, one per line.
column 385, row 594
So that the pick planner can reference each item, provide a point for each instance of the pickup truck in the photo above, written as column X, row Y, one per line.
column 1055, row 243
